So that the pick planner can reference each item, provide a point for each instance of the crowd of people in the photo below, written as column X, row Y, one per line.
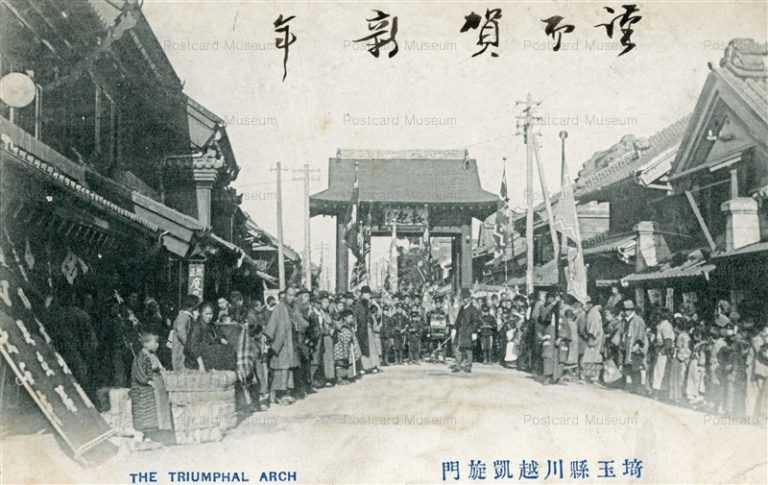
column 291, row 346
column 716, row 363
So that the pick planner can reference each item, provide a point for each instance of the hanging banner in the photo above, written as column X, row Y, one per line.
column 196, row 279
column 29, row 351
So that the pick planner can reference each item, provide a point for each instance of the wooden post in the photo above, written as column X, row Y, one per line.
column 529, row 218
column 700, row 219
column 466, row 255
column 342, row 258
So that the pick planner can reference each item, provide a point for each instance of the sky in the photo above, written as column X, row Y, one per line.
column 434, row 94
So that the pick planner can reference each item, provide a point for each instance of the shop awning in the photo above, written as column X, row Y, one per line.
column 239, row 252
column 685, row 271
column 756, row 249
column 623, row 244
column 180, row 228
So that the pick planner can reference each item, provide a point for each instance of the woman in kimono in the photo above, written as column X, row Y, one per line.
column 511, row 330
column 594, row 337
column 570, row 341
column 679, row 361
column 207, row 349
column 757, row 375
column 665, row 343
column 343, row 348
column 149, row 399
column 356, row 352
column 374, row 337
column 694, row 382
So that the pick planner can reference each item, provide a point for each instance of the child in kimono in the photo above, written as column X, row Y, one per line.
column 343, row 348
column 638, row 356
column 252, row 367
column 149, row 399
column 262, row 366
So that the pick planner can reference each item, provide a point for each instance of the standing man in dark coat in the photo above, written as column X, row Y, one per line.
column 304, row 341
column 467, row 323
column 362, row 313
column 279, row 333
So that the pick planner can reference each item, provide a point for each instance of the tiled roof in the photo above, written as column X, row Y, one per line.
column 605, row 243
column 740, row 78
column 260, row 237
column 744, row 68
column 203, row 124
column 409, row 177
column 52, row 174
column 687, row 270
column 627, row 157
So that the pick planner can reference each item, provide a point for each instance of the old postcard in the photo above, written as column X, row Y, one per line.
column 407, row 242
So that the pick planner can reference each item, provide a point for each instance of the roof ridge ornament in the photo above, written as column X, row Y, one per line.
column 746, row 58
column 404, row 154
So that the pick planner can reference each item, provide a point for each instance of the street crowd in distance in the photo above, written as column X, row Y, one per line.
column 303, row 341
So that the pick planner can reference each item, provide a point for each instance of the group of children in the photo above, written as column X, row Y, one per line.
column 721, row 367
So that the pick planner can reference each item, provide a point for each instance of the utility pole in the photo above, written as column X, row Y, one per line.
column 280, row 256
column 307, row 238
column 532, row 151
column 528, row 119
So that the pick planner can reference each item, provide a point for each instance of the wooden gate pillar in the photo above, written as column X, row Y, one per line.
column 342, row 256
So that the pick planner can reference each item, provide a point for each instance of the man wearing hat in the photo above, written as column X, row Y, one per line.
column 468, row 321
column 635, row 342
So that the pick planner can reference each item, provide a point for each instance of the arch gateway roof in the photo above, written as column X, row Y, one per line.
column 445, row 178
